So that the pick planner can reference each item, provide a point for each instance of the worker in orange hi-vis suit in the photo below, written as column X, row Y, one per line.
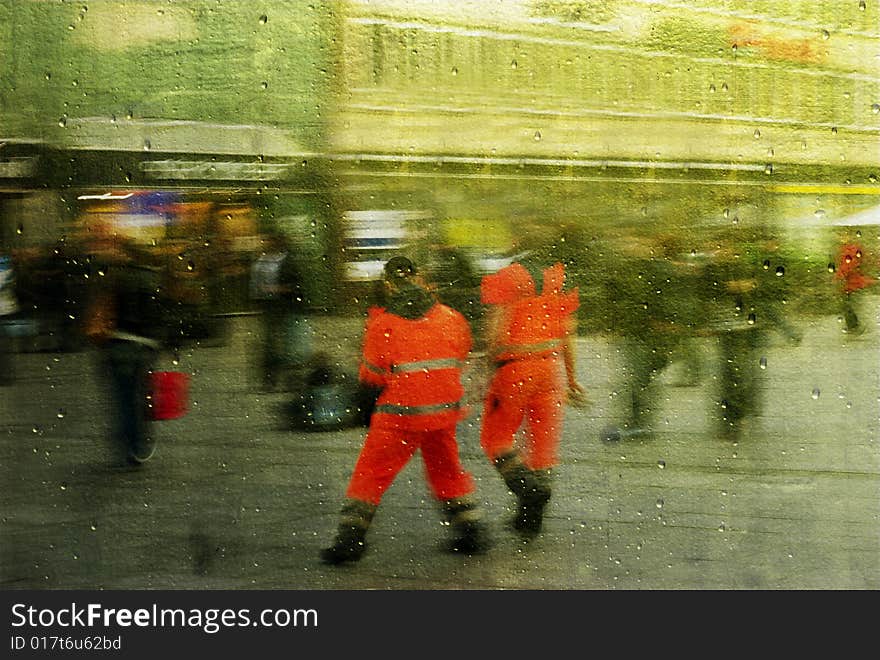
column 413, row 352
column 530, row 343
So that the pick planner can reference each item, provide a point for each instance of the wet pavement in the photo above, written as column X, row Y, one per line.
column 235, row 499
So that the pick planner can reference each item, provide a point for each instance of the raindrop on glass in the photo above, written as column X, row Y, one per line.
column 815, row 393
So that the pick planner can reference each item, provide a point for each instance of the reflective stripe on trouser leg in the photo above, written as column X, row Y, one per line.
column 461, row 512
column 354, row 520
column 468, row 530
column 528, row 485
column 357, row 513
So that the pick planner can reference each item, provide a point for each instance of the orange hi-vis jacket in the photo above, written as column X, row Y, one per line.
column 533, row 326
column 417, row 363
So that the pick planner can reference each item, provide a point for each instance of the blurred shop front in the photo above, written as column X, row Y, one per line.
column 201, row 214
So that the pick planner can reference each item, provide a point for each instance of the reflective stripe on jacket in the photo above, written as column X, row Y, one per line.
column 417, row 365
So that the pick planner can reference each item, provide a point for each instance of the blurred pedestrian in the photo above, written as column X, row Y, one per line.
column 653, row 290
column 853, row 281
column 276, row 285
column 746, row 292
column 413, row 351
column 529, row 345
column 8, row 308
column 126, row 319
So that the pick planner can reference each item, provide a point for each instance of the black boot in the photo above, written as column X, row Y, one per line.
column 530, row 515
column 349, row 544
column 532, row 488
column 470, row 536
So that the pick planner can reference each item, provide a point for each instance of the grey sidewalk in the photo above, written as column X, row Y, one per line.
column 231, row 500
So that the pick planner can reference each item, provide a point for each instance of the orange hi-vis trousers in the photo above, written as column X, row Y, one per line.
column 386, row 452
column 530, row 389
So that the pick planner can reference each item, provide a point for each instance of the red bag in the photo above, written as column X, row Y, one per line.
column 170, row 391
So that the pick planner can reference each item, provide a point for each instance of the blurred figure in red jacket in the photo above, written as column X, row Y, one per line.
column 413, row 353
column 852, row 280
column 529, row 343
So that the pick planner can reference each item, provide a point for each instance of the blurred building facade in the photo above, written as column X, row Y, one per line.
column 469, row 117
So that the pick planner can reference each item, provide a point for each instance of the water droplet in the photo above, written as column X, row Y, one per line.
column 861, row 5
column 763, row 363
column 711, row 89
column 660, row 504
column 537, row 136
column 263, row 19
column 661, row 464
column 834, row 130
column 752, row 319
column 63, row 121
column 147, row 144
column 826, row 34
column 780, row 271
column 815, row 394
column 756, row 134
column 264, row 85
column 721, row 527
column 768, row 168
column 61, row 413
column 875, row 108
column 513, row 64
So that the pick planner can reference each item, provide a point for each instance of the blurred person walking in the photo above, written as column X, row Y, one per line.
column 653, row 290
column 529, row 345
column 413, row 352
column 8, row 307
column 853, row 282
column 276, row 285
column 746, row 292
column 126, row 319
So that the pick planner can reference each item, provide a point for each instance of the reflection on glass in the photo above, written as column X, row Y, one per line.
column 235, row 178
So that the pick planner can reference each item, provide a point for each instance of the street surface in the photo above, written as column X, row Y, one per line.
column 233, row 499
